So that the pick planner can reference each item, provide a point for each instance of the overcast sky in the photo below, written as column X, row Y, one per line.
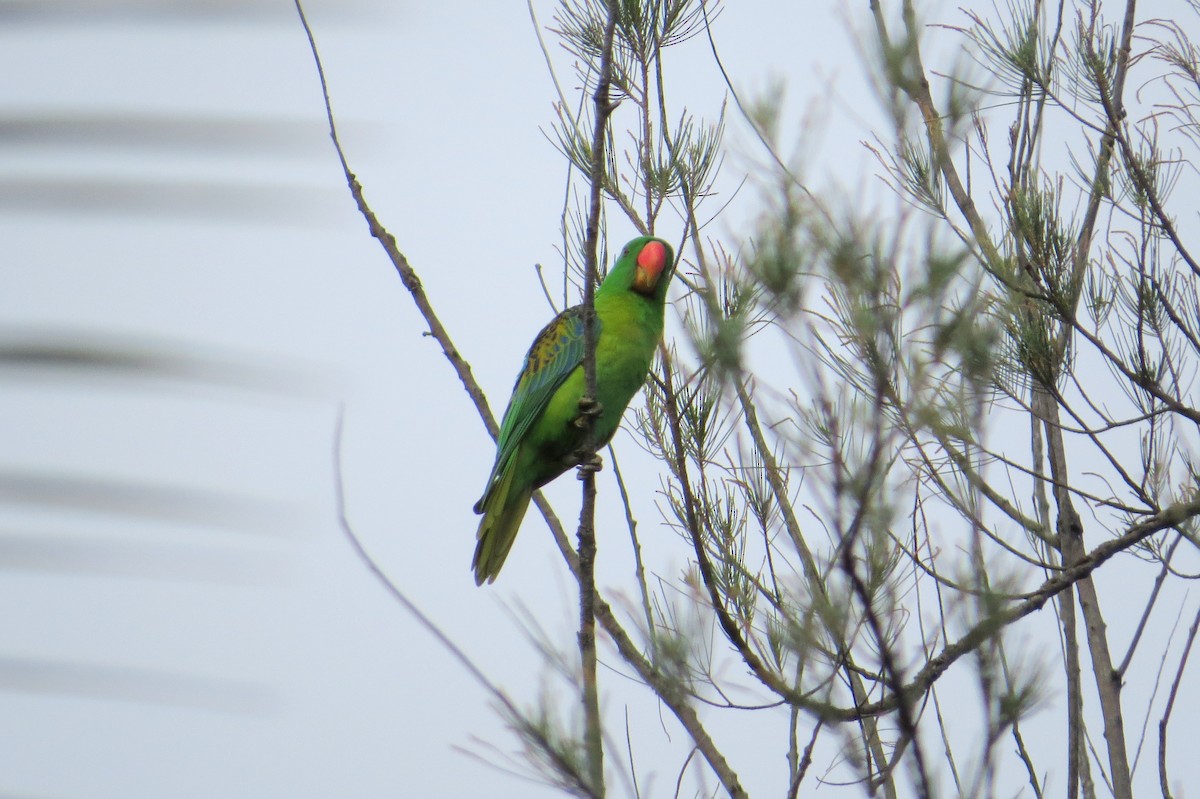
column 216, row 636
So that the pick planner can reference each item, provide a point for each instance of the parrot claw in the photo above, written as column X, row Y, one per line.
column 588, row 409
column 591, row 464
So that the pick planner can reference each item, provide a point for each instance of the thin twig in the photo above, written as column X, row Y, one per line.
column 1166, row 717
column 528, row 729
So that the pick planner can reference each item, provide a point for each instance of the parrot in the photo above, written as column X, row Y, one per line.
column 539, row 435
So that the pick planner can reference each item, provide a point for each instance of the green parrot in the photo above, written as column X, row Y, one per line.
column 539, row 439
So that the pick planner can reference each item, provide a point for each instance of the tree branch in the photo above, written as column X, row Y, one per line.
column 589, row 408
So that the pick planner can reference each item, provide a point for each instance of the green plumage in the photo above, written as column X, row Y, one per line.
column 539, row 439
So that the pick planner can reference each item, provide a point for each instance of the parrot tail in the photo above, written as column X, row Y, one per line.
column 503, row 507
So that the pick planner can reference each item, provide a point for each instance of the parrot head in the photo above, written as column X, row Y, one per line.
column 644, row 266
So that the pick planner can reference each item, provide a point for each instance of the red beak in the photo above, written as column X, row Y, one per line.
column 651, row 262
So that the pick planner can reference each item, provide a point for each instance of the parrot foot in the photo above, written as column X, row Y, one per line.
column 589, row 409
column 590, row 464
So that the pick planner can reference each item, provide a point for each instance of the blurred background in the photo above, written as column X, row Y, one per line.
column 188, row 296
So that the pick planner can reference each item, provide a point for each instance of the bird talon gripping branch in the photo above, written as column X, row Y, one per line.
column 548, row 422
column 589, row 465
column 589, row 409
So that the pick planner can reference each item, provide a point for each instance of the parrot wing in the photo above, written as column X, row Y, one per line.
column 556, row 352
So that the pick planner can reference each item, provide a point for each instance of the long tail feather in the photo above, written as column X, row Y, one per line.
column 503, row 509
